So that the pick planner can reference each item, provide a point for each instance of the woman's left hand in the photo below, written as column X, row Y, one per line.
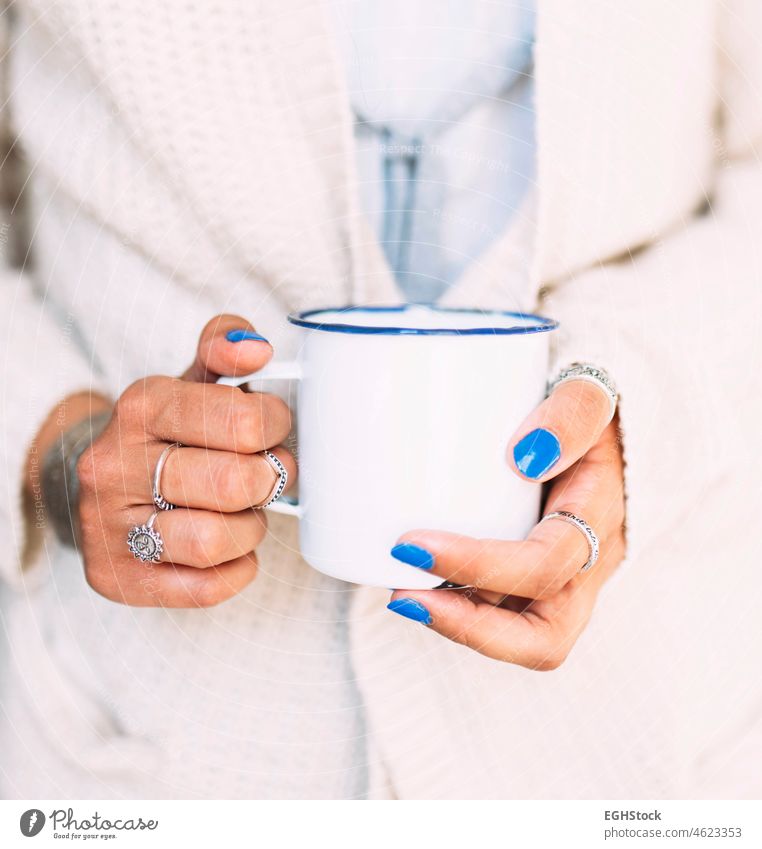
column 526, row 602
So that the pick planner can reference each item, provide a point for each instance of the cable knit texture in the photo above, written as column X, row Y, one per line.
column 187, row 160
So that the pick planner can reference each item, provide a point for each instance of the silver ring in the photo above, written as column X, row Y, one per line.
column 280, row 482
column 145, row 542
column 158, row 498
column 590, row 535
column 592, row 374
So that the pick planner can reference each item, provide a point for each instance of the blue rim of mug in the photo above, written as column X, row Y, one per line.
column 305, row 319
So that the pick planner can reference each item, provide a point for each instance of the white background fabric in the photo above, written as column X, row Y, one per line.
column 212, row 155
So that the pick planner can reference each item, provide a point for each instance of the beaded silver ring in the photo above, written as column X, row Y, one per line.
column 592, row 374
column 280, row 482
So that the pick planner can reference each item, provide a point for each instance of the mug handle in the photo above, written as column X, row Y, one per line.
column 289, row 370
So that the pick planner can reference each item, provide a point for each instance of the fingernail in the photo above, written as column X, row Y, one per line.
column 244, row 336
column 413, row 555
column 410, row 609
column 537, row 453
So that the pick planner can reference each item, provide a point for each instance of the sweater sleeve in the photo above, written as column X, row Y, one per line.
column 42, row 364
column 677, row 324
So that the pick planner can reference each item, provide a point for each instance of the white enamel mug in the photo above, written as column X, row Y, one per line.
column 404, row 415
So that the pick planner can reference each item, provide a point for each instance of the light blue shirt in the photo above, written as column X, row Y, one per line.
column 442, row 95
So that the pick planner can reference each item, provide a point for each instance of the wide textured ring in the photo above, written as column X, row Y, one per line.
column 158, row 498
column 280, row 482
column 592, row 374
column 581, row 524
column 145, row 542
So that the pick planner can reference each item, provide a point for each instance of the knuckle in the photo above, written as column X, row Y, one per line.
column 209, row 592
column 131, row 400
column 134, row 402
column 207, row 541
column 243, row 423
column 91, row 530
column 563, row 568
column 562, row 559
column 549, row 663
column 466, row 638
column 274, row 419
column 552, row 658
column 551, row 584
column 549, row 575
column 227, row 482
column 103, row 583
column 278, row 416
column 262, row 418
column 258, row 420
column 86, row 469
column 257, row 481
column 99, row 473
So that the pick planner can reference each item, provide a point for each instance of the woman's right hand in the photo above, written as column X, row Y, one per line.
column 214, row 479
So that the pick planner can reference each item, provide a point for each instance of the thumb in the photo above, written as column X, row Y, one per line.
column 560, row 430
column 229, row 345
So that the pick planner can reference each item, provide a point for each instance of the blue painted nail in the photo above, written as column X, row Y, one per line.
column 244, row 336
column 413, row 555
column 410, row 609
column 537, row 453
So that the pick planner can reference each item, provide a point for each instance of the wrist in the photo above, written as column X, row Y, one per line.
column 51, row 469
column 69, row 412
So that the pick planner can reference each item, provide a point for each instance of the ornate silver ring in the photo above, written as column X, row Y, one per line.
column 280, row 481
column 158, row 498
column 145, row 542
column 581, row 524
column 592, row 374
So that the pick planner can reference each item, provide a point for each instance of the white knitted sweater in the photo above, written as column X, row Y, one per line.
column 184, row 163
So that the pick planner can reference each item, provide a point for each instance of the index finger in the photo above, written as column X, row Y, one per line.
column 525, row 635
column 553, row 552
column 204, row 415
column 536, row 567
column 559, row 431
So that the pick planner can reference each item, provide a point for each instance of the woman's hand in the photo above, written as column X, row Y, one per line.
column 214, row 479
column 526, row 602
